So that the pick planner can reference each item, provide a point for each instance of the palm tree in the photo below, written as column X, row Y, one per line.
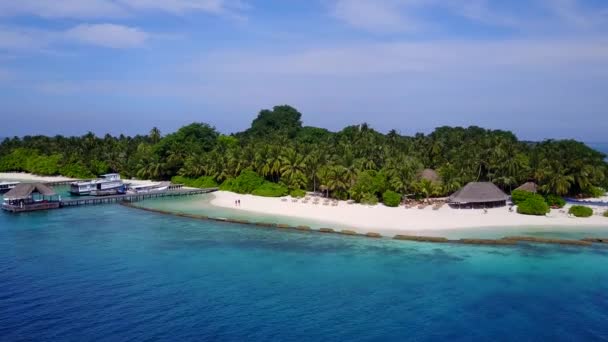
column 427, row 188
column 313, row 163
column 293, row 168
column 154, row 135
column 554, row 178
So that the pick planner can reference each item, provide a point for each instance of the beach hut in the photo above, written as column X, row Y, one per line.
column 430, row 175
column 529, row 187
column 30, row 197
column 478, row 195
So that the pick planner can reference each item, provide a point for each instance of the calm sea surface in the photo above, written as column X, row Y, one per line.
column 111, row 273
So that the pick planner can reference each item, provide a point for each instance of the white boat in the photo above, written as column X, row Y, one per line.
column 153, row 187
column 7, row 186
column 109, row 184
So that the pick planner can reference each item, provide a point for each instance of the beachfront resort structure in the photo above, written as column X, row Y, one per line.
column 30, row 197
column 478, row 195
column 529, row 187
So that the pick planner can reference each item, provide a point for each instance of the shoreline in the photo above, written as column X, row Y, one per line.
column 510, row 240
column 363, row 218
column 29, row 177
column 24, row 176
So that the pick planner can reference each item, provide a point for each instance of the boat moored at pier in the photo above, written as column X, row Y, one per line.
column 109, row 184
column 7, row 186
column 152, row 187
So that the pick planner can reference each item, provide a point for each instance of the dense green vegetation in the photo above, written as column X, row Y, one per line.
column 555, row 201
column 201, row 182
column 580, row 211
column 391, row 198
column 606, row 213
column 356, row 162
column 268, row 189
column 520, row 196
column 533, row 205
column 297, row 193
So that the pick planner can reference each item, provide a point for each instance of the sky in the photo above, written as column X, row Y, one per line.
column 536, row 67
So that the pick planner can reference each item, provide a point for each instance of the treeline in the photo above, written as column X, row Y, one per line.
column 278, row 155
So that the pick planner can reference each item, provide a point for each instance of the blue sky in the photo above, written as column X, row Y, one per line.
column 537, row 67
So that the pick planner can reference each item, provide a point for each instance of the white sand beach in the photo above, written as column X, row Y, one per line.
column 381, row 218
column 28, row 177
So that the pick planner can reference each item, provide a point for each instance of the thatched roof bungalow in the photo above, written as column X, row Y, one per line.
column 478, row 195
column 529, row 187
column 27, row 190
column 29, row 197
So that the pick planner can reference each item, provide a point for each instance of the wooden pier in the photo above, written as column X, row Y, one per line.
column 133, row 197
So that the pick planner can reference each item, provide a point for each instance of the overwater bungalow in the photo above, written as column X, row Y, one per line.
column 478, row 195
column 30, row 197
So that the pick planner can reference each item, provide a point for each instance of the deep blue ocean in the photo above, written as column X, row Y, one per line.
column 111, row 273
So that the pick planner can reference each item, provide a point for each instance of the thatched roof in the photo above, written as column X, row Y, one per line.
column 528, row 186
column 430, row 174
column 478, row 192
column 25, row 190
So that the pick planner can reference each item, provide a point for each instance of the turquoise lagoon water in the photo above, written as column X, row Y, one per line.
column 111, row 273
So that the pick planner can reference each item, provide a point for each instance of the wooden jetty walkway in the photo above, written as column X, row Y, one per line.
column 132, row 197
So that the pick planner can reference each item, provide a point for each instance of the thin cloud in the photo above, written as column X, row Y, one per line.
column 19, row 39
column 101, row 35
column 79, row 9
column 404, row 57
column 375, row 15
column 574, row 14
column 61, row 8
column 107, row 35
column 399, row 16
column 183, row 6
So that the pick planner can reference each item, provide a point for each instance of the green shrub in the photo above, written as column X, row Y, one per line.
column 370, row 199
column 368, row 182
column 534, row 205
column 606, row 213
column 44, row 165
column 17, row 160
column 520, row 196
column 76, row 170
column 201, row 182
column 555, row 201
column 595, row 191
column 245, row 183
column 297, row 193
column 227, row 184
column 269, row 189
column 391, row 198
column 580, row 211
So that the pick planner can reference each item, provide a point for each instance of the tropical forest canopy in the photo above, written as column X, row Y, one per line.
column 279, row 155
